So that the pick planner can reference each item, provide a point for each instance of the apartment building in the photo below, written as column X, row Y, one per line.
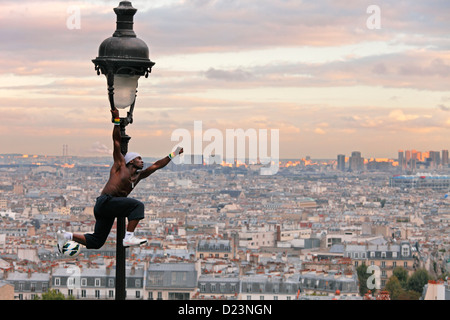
column 28, row 284
column 171, row 281
column 386, row 257
column 214, row 248
column 96, row 283
column 267, row 287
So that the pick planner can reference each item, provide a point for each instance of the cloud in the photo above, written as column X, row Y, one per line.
column 97, row 148
column 319, row 131
column 232, row 75
column 399, row 115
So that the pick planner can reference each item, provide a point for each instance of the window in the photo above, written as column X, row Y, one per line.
column 405, row 264
column 57, row 282
column 394, row 254
column 137, row 283
column 83, row 282
column 405, row 251
column 97, row 293
column 97, row 282
column 156, row 278
column 372, row 254
column 179, row 277
column 383, row 254
column 110, row 283
column 160, row 295
column 138, row 294
column 83, row 293
column 70, row 282
column 202, row 287
column 111, row 293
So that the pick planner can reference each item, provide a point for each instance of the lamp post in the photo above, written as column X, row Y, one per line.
column 123, row 59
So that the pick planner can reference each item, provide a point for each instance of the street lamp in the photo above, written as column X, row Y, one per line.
column 123, row 59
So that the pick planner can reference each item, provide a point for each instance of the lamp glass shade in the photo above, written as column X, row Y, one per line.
column 124, row 90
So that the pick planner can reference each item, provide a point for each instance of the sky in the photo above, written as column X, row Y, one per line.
column 332, row 76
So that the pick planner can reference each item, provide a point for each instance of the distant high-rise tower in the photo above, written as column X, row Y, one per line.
column 401, row 160
column 341, row 162
column 435, row 158
column 356, row 162
column 445, row 158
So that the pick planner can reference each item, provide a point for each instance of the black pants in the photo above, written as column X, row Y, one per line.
column 107, row 208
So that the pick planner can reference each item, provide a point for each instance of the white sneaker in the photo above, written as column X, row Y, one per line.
column 133, row 241
column 61, row 240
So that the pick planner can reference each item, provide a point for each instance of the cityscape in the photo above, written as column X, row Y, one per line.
column 349, row 98
column 348, row 228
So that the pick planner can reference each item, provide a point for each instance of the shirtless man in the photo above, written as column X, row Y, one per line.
column 125, row 174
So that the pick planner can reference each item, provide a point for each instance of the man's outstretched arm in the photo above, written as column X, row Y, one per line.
column 119, row 160
column 160, row 163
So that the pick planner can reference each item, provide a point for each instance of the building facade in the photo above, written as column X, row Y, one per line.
column 419, row 181
column 383, row 257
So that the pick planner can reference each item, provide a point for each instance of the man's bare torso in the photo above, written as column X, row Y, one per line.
column 120, row 183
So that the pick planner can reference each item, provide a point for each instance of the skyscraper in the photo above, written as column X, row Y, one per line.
column 341, row 162
column 356, row 162
column 435, row 158
column 401, row 160
column 445, row 158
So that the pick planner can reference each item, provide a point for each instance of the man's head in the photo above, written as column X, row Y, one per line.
column 135, row 159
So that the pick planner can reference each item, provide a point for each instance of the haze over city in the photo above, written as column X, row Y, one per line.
column 333, row 77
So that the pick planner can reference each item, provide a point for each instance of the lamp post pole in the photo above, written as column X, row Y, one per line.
column 123, row 58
